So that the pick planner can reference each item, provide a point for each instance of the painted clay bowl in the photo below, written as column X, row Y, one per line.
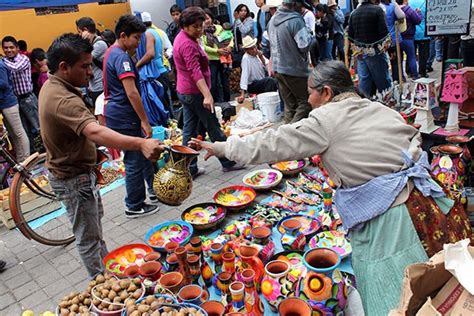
column 334, row 240
column 290, row 168
column 235, row 197
column 450, row 149
column 160, row 235
column 457, row 139
column 121, row 258
column 204, row 215
column 309, row 225
column 263, row 179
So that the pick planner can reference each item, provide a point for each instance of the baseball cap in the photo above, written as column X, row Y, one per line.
column 146, row 17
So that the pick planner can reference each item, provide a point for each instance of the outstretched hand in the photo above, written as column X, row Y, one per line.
column 198, row 144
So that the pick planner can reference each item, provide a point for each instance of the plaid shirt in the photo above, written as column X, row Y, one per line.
column 20, row 70
column 367, row 24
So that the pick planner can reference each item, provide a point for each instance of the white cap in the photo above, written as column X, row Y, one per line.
column 271, row 4
column 146, row 17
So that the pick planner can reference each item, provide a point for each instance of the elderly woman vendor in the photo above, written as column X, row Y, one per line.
column 395, row 212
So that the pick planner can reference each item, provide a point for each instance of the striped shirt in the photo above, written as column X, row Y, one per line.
column 20, row 70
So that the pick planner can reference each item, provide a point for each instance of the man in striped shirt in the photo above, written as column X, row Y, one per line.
column 19, row 67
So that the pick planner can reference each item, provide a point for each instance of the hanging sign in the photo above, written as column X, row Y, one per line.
column 447, row 17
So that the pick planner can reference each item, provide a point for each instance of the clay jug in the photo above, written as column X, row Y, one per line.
column 253, row 304
column 250, row 260
column 173, row 183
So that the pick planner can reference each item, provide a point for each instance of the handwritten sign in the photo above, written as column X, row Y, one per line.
column 447, row 17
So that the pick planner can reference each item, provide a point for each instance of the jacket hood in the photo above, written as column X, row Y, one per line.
column 283, row 15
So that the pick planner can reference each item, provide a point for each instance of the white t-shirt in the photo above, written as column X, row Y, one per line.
column 99, row 104
column 252, row 69
column 310, row 20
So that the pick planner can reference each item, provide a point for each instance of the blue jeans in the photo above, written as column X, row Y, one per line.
column 138, row 171
column 325, row 49
column 436, row 51
column 373, row 70
column 193, row 113
column 408, row 46
column 28, row 104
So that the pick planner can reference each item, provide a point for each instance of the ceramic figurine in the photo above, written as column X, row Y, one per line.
column 253, row 304
column 173, row 183
column 323, row 286
column 250, row 260
column 275, row 285
column 292, row 239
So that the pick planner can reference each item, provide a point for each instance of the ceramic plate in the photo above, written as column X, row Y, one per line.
column 119, row 259
column 309, row 225
column 235, row 197
column 204, row 215
column 178, row 231
column 291, row 167
column 334, row 240
column 263, row 179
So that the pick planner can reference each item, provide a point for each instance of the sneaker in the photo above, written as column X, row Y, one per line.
column 237, row 166
column 200, row 171
column 153, row 199
column 145, row 210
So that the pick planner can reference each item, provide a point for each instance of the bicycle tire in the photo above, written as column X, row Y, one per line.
column 17, row 213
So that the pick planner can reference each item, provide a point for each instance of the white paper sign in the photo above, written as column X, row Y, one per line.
column 447, row 17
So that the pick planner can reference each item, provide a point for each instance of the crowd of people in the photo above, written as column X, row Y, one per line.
column 128, row 74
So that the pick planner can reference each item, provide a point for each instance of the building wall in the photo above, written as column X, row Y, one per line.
column 40, row 31
column 159, row 10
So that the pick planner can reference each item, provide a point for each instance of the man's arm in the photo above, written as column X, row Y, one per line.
column 150, row 50
column 20, row 63
column 136, row 101
column 101, row 135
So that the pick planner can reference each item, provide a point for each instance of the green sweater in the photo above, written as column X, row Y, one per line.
column 211, row 51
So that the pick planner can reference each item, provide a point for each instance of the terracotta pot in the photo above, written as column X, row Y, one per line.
column 171, row 246
column 237, row 292
column 291, row 225
column 194, row 267
column 153, row 256
column 235, row 314
column 150, row 270
column 275, row 282
column 216, row 253
column 229, row 262
column 131, row 271
column 293, row 306
column 250, row 259
column 171, row 263
column 213, row 308
column 261, row 235
column 192, row 294
column 322, row 259
column 171, row 281
column 253, row 304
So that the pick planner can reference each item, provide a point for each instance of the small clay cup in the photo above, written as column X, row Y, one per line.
column 291, row 225
column 171, row 281
column 131, row 271
column 192, row 294
column 276, row 268
column 293, row 306
column 171, row 263
column 150, row 270
column 213, row 308
column 153, row 256
column 261, row 235
column 171, row 246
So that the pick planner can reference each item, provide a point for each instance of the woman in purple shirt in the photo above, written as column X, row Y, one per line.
column 194, row 83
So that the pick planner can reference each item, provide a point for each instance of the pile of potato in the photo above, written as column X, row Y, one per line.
column 75, row 303
column 148, row 306
column 178, row 311
column 111, row 295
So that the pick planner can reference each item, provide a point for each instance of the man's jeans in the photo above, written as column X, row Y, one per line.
column 193, row 113
column 373, row 70
column 436, row 51
column 138, row 171
column 28, row 104
column 81, row 198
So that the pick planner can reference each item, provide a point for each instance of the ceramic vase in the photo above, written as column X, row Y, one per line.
column 173, row 183
column 327, row 200
column 172, row 263
column 250, row 260
column 448, row 166
column 275, row 283
column 222, row 283
column 229, row 262
column 237, row 292
column 253, row 304
column 293, row 306
column 194, row 268
column 182, row 256
column 462, row 141
column 216, row 255
column 196, row 247
column 206, row 273
column 323, row 287
column 292, row 238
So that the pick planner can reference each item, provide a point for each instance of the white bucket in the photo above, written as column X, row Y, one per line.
column 271, row 111
column 268, row 97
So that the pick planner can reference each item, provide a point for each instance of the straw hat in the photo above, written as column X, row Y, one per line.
column 332, row 3
column 271, row 4
column 248, row 42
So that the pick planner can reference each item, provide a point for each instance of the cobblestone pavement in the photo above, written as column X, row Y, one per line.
column 38, row 276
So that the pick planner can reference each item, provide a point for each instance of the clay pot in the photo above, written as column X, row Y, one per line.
column 274, row 282
column 237, row 290
column 153, row 256
column 171, row 246
column 229, row 262
column 213, row 308
column 171, row 263
column 150, row 270
column 250, row 259
column 235, row 314
column 450, row 149
column 293, row 306
column 171, row 281
column 216, row 253
column 291, row 225
column 261, row 235
column 192, row 294
column 131, row 271
column 322, row 259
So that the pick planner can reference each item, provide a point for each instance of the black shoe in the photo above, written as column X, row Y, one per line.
column 153, row 198
column 145, row 210
column 2, row 265
column 199, row 172
column 429, row 69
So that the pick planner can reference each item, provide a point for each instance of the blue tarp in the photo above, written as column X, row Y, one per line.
column 23, row 4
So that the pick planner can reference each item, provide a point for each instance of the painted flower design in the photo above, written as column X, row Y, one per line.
column 317, row 286
column 270, row 289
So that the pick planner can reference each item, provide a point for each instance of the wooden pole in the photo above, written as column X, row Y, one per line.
column 346, row 49
column 399, row 62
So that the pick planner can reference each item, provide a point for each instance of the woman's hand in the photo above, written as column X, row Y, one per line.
column 198, row 144
column 208, row 103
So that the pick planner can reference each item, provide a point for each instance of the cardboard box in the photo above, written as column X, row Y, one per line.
column 430, row 290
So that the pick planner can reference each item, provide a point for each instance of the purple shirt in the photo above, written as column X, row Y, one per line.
column 191, row 64
column 20, row 70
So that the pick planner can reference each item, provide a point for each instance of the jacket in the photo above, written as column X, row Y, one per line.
column 413, row 19
column 420, row 28
column 289, row 43
column 7, row 97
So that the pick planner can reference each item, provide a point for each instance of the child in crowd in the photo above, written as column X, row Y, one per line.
column 223, row 41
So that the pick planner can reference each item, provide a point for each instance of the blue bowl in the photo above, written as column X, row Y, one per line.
column 158, row 227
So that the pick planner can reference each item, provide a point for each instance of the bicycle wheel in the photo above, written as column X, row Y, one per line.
column 37, row 212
